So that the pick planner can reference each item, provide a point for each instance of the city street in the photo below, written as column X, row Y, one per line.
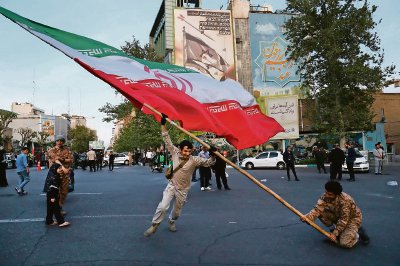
column 109, row 211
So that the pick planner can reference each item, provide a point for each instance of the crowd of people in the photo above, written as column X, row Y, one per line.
column 335, row 208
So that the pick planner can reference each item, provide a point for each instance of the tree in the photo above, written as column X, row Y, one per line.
column 340, row 61
column 116, row 112
column 27, row 135
column 143, row 131
column 41, row 138
column 80, row 137
column 6, row 118
column 146, row 52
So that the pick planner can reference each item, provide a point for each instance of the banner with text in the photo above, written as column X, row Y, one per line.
column 273, row 73
column 286, row 113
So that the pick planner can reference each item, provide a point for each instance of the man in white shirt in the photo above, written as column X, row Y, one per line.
column 379, row 154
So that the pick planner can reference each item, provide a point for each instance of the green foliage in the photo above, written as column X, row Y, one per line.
column 146, row 52
column 5, row 119
column 116, row 112
column 143, row 132
column 80, row 137
column 340, row 61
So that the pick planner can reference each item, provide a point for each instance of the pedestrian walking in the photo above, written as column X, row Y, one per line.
column 336, row 158
column 220, row 174
column 91, row 156
column 320, row 157
column 52, row 189
column 205, row 171
column 179, row 185
column 350, row 159
column 130, row 158
column 289, row 160
column 378, row 155
column 338, row 210
column 111, row 158
column 22, row 171
column 3, row 167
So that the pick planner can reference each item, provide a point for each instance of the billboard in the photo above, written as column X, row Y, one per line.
column 48, row 125
column 204, row 42
column 286, row 112
column 273, row 73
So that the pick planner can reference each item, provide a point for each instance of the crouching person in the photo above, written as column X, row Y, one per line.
column 178, row 186
column 336, row 208
column 52, row 189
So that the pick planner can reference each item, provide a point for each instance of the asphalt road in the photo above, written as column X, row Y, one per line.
column 109, row 212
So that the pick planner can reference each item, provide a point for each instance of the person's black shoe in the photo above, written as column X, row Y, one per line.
column 351, row 180
column 297, row 179
column 364, row 238
column 227, row 188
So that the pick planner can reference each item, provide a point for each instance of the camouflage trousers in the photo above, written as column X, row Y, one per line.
column 349, row 237
column 63, row 188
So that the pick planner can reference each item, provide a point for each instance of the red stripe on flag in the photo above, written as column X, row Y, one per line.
column 242, row 128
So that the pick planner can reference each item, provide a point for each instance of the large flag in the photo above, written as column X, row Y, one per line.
column 198, row 102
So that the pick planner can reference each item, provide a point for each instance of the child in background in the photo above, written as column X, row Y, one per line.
column 52, row 188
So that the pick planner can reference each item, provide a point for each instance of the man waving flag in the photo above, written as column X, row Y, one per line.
column 197, row 101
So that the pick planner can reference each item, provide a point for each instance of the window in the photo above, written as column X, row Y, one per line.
column 262, row 156
column 273, row 154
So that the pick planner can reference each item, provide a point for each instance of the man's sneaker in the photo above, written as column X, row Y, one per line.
column 23, row 193
column 53, row 223
column 171, row 226
column 202, row 188
column 18, row 190
column 64, row 224
column 364, row 238
column 207, row 188
column 152, row 229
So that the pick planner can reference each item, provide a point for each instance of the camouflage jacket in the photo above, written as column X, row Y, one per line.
column 60, row 154
column 340, row 211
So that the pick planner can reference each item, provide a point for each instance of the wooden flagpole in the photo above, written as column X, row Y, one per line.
column 258, row 183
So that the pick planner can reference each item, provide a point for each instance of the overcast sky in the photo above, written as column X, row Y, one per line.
column 32, row 71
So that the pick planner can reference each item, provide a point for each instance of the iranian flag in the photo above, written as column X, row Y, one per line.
column 198, row 102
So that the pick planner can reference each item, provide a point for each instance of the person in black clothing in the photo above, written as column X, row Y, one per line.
column 288, row 157
column 336, row 159
column 320, row 157
column 52, row 189
column 350, row 159
column 111, row 158
column 3, row 167
column 99, row 160
column 219, row 169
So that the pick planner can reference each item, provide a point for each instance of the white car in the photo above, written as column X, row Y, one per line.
column 361, row 164
column 120, row 158
column 264, row 159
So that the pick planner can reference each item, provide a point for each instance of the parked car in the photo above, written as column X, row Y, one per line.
column 361, row 164
column 120, row 158
column 264, row 159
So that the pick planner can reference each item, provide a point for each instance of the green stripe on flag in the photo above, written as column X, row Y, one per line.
column 86, row 45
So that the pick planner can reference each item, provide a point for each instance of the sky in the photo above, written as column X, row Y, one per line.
column 32, row 71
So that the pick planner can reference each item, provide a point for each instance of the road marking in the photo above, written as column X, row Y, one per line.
column 380, row 195
column 77, row 193
column 29, row 220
